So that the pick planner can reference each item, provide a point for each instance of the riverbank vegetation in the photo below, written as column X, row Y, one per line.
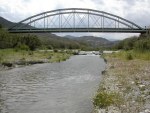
column 13, row 57
column 134, row 48
column 17, row 49
column 28, row 42
column 36, row 41
column 132, row 54
column 126, row 80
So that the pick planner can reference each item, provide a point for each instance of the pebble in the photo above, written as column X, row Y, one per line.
column 147, row 111
column 132, row 82
column 101, row 110
column 141, row 86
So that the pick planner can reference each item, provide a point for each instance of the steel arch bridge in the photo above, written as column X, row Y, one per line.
column 75, row 20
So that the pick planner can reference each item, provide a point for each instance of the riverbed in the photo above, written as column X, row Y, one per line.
column 65, row 87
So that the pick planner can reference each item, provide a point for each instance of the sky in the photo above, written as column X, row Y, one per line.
column 137, row 11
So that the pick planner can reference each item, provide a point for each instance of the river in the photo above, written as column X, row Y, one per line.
column 65, row 87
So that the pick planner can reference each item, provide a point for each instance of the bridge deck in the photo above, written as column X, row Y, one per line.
column 57, row 30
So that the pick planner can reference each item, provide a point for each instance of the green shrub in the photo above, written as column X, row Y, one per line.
column 129, row 56
column 1, row 26
column 30, row 53
column 142, row 45
column 1, row 59
column 22, row 47
column 104, row 99
column 55, row 50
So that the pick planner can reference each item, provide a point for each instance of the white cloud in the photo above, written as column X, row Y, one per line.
column 114, row 7
column 134, row 10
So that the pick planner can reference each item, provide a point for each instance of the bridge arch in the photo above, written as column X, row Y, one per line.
column 75, row 20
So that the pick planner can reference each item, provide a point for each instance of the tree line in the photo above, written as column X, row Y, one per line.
column 8, row 40
column 141, row 43
column 32, row 42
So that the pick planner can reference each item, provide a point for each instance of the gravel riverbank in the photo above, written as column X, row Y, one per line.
column 125, row 87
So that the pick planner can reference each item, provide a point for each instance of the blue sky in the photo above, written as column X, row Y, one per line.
column 137, row 11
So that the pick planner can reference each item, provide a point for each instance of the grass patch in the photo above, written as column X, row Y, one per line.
column 104, row 99
column 130, row 55
column 13, row 55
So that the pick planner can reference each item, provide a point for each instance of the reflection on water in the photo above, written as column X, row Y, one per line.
column 65, row 87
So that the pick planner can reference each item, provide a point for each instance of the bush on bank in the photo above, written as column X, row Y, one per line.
column 103, row 99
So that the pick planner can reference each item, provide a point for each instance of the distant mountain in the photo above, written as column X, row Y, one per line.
column 89, row 41
column 94, row 41
column 70, row 37
column 8, row 24
column 52, row 40
column 5, row 23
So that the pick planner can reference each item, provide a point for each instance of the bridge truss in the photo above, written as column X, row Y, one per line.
column 75, row 20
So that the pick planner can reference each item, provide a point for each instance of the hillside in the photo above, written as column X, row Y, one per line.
column 5, row 23
column 8, row 24
column 52, row 40
column 94, row 41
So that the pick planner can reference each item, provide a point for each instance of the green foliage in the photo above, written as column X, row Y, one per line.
column 27, row 57
column 62, row 43
column 127, row 44
column 129, row 56
column 104, row 99
column 135, row 43
column 1, row 58
column 1, row 26
column 8, row 40
column 49, row 47
column 55, row 50
column 30, row 53
column 32, row 41
column 58, row 44
column 142, row 45
column 22, row 47
column 138, row 48
column 17, row 41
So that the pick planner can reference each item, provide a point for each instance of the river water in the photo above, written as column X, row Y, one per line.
column 65, row 87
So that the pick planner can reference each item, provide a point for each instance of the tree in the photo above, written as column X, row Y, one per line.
column 32, row 41
column 142, row 44
column 1, row 26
